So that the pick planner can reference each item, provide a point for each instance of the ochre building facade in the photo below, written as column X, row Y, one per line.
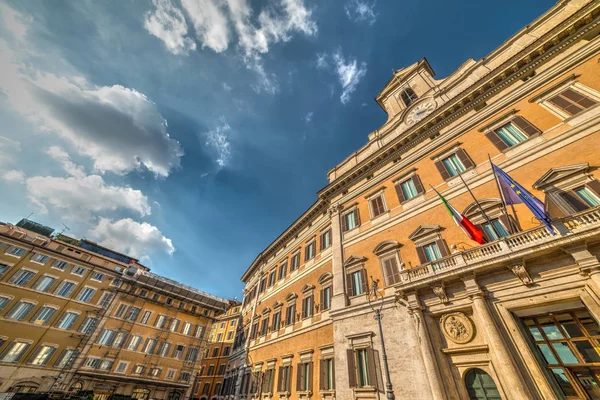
column 514, row 318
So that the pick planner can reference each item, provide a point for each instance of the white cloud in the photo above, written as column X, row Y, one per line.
column 131, row 237
column 218, row 139
column 308, row 117
column 210, row 22
column 65, row 161
column 322, row 60
column 361, row 11
column 168, row 24
column 80, row 197
column 14, row 21
column 349, row 74
column 14, row 176
column 118, row 127
column 8, row 149
column 226, row 87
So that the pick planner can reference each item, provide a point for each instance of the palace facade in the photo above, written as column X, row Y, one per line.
column 78, row 319
column 514, row 318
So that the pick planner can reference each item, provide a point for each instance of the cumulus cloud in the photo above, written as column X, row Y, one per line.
column 349, row 73
column 131, row 237
column 218, row 139
column 167, row 23
column 63, row 158
column 361, row 11
column 81, row 197
column 16, row 23
column 8, row 149
column 118, row 127
column 210, row 23
column 14, row 176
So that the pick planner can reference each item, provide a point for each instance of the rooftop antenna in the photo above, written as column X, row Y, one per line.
column 66, row 228
column 27, row 217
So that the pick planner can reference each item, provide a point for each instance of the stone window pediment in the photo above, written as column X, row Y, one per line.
column 426, row 233
column 277, row 305
column 559, row 175
column 291, row 297
column 307, row 288
column 386, row 247
column 325, row 278
column 354, row 260
column 266, row 310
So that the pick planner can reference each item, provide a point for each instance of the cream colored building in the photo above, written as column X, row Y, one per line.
column 515, row 318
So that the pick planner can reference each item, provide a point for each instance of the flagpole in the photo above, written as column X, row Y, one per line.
column 512, row 226
column 480, row 208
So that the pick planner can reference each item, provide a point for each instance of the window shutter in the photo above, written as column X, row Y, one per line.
column 289, row 379
column 496, row 141
column 399, row 192
column 349, row 290
column 525, row 126
column 321, row 300
column 357, row 216
column 485, row 235
column 464, row 159
column 271, row 379
column 321, row 240
column 442, row 170
column 565, row 104
column 504, row 219
column 378, row 371
column 305, row 253
column 363, row 277
column 443, row 247
column 418, row 184
column 344, row 223
column 304, row 303
column 574, row 201
column 372, row 370
column 333, row 373
column 578, row 98
column 421, row 255
column 322, row 375
column 594, row 186
column 351, row 368
column 280, row 380
column 310, row 376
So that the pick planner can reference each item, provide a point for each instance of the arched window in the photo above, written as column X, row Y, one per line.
column 389, row 258
column 24, row 387
column 499, row 225
column 76, row 387
column 408, row 96
column 480, row 385
column 141, row 394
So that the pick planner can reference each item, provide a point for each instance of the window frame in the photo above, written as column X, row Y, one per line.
column 569, row 83
column 382, row 209
column 356, row 217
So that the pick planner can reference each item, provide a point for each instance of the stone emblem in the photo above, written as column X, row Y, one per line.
column 457, row 327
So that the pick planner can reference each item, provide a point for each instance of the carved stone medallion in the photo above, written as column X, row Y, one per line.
column 457, row 327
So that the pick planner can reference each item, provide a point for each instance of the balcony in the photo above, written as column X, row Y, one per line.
column 509, row 249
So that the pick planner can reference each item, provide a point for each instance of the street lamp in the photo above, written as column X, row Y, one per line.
column 375, row 298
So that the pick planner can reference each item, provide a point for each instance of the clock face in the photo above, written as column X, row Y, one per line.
column 420, row 111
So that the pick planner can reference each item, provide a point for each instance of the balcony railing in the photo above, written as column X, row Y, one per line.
column 572, row 225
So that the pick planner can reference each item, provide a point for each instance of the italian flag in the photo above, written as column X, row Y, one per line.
column 463, row 222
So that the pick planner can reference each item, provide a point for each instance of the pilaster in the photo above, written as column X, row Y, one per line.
column 339, row 299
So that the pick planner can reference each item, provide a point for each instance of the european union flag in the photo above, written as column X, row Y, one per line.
column 514, row 193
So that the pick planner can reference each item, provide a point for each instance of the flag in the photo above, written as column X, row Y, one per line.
column 514, row 193
column 463, row 222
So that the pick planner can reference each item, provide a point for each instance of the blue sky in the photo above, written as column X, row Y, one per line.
column 190, row 133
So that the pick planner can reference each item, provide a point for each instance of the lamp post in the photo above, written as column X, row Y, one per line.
column 375, row 298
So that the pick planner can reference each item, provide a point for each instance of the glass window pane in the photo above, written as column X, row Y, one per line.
column 569, row 325
column 547, row 353
column 565, row 353
column 587, row 350
column 586, row 195
column 588, row 322
column 563, row 382
column 535, row 332
column 550, row 329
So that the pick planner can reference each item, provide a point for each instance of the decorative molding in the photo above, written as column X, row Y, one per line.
column 457, row 327
column 557, row 174
column 440, row 291
column 546, row 92
column 496, row 121
column 424, row 230
column 353, row 260
column 521, row 272
column 386, row 246
column 326, row 277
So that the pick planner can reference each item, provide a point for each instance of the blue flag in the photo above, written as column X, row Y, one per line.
column 514, row 193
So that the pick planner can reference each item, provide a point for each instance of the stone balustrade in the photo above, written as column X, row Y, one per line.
column 569, row 226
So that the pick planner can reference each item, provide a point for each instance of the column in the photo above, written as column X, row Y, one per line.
column 339, row 299
column 506, row 370
column 433, row 373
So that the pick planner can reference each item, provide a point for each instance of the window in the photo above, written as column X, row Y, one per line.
column 105, row 299
column 44, row 283
column 276, row 321
column 77, row 270
column 290, row 314
column 149, row 346
column 230, row 335
column 327, row 381
column 284, row 383
column 408, row 96
column 67, row 357
column 106, row 337
column 15, row 351
column 121, row 310
column 282, row 270
column 350, row 220
column 133, row 313
column 304, row 382
column 184, row 377
column 206, row 388
column 429, row 245
column 164, row 349
column 199, row 331
column 187, row 328
column 92, row 362
column 377, row 206
column 39, row 258
column 391, row 271
column 192, row 355
column 409, row 188
column 272, row 277
column 454, row 164
column 65, row 289
column 588, row 197
column 169, row 301
column 263, row 285
column 211, row 370
column 263, row 326
column 268, row 379
column 42, row 355
column 67, row 320
column 480, row 385
column 3, row 268
column 215, row 352
column 295, row 262
column 134, row 342
column 44, row 315
column 174, row 325
column 121, row 367
column 515, row 131
column 325, row 298
column 361, row 367
column 571, row 102
column 178, row 351
column 307, row 306
column 119, row 340
column 4, row 301
column 325, row 239
column 143, row 293
column 20, row 311
column 356, row 283
column 105, row 365
column 138, row 369
column 432, row 252
column 227, row 349
column 97, row 276
column 494, row 230
column 310, row 250
column 22, row 277
column 86, row 294
column 160, row 321
column 15, row 251
column 155, row 372
column 88, row 325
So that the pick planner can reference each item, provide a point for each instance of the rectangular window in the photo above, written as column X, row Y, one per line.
column 304, row 382
column 350, row 220
column 171, row 374
column 77, row 270
column 121, row 310
column 362, row 368
column 263, row 326
column 105, row 365
column 310, row 250
column 391, row 270
column 276, row 321
column 357, row 283
column 199, row 331
column 453, row 165
column 88, row 325
column 263, row 285
column 146, row 317
column 22, row 277
column 178, row 351
column 42, row 355
column 86, row 294
column 295, row 262
column 408, row 189
column 92, row 362
column 290, row 314
column 571, row 101
column 122, row 367
column 164, row 349
column 44, row 283
column 307, row 307
column 327, row 381
column 97, row 276
column 44, row 315
column 134, row 342
column 149, row 346
column 66, row 358
column 285, row 379
column 326, row 239
column 4, row 301
column 495, row 230
column 106, row 337
column 20, row 311
column 219, row 337
column 282, row 270
column 192, row 355
column 326, row 298
column 3, row 268
column 105, row 299
column 39, row 258
column 65, row 289
column 160, row 321
column 227, row 349
column 510, row 134
column 174, row 325
column 587, row 196
column 139, row 369
column 14, row 352
column 59, row 264
column 119, row 340
column 15, row 251
column 68, row 320
column 133, row 313
column 272, row 278
column 155, row 372
column 377, row 206
column 432, row 252
column 187, row 328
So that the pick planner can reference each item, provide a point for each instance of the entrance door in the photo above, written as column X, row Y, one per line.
column 481, row 386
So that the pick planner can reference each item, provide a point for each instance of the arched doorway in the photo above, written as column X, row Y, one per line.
column 481, row 386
